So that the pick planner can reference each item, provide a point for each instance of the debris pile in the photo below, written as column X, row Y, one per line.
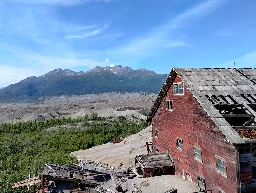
column 247, row 133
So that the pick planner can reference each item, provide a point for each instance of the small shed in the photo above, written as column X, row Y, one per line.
column 154, row 164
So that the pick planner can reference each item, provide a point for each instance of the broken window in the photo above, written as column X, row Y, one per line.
column 235, row 114
column 201, row 183
column 178, row 88
column 221, row 166
column 179, row 144
column 156, row 133
column 197, row 154
column 254, row 170
column 168, row 105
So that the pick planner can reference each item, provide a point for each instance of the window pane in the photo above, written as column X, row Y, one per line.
column 168, row 104
column 198, row 157
column 197, row 154
column 201, row 183
column 156, row 133
column 175, row 88
column 181, row 88
column 179, row 143
column 222, row 169
column 220, row 164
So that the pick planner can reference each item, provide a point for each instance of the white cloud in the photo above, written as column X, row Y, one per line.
column 178, row 44
column 55, row 2
column 37, row 65
column 88, row 33
column 234, row 31
column 110, row 37
column 76, row 28
column 44, row 49
column 246, row 61
column 157, row 38
column 90, row 1
column 226, row 32
column 197, row 12
column 10, row 75
column 48, row 62
column 52, row 51
column 223, row 33
column 106, row 60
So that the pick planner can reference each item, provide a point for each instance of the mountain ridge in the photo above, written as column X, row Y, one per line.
column 98, row 80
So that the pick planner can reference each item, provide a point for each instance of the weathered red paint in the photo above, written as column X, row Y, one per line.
column 188, row 121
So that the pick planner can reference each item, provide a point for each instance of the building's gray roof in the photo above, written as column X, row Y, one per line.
column 154, row 160
column 217, row 82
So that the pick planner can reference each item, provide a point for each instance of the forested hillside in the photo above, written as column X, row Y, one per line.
column 98, row 80
column 26, row 147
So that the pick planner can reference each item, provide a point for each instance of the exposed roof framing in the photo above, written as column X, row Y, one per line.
column 216, row 86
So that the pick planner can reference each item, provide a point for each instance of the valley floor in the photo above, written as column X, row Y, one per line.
column 107, row 104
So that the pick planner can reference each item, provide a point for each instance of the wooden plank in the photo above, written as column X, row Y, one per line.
column 237, row 115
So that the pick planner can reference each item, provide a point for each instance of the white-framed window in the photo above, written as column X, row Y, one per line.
column 197, row 154
column 168, row 105
column 178, row 88
column 221, row 166
column 179, row 144
column 201, row 183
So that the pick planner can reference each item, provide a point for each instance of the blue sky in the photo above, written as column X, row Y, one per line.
column 37, row 36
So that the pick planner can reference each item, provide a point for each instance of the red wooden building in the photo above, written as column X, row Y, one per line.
column 205, row 119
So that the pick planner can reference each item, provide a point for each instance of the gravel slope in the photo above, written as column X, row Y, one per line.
column 119, row 153
column 122, row 155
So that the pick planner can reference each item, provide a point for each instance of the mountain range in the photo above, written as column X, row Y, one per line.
column 95, row 81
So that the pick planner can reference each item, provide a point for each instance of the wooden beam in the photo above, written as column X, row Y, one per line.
column 27, row 182
column 236, row 115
